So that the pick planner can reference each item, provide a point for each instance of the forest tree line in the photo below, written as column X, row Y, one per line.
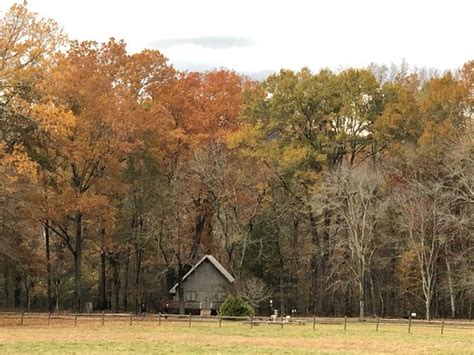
column 344, row 192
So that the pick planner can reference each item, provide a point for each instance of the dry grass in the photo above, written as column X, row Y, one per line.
column 234, row 337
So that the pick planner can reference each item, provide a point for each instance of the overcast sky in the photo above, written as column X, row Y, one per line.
column 259, row 36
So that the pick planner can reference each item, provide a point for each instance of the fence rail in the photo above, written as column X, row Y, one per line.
column 26, row 318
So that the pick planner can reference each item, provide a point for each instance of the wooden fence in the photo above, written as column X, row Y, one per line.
column 49, row 319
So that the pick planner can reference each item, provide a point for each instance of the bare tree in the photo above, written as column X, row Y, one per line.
column 353, row 193
column 421, row 221
column 458, row 196
column 254, row 291
column 235, row 193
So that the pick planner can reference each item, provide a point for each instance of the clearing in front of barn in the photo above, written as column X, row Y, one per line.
column 233, row 337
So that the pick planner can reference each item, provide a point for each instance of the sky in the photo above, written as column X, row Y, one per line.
column 257, row 37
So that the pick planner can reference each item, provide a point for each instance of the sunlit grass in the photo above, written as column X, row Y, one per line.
column 232, row 337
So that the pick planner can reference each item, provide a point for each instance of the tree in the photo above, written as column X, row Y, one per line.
column 254, row 291
column 458, row 196
column 85, row 84
column 421, row 212
column 27, row 43
column 354, row 193
column 27, row 47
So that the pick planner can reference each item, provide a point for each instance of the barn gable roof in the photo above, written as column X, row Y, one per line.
column 214, row 262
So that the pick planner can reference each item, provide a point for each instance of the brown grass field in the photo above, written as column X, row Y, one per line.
column 234, row 337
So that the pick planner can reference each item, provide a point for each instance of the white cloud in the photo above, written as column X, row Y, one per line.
column 277, row 34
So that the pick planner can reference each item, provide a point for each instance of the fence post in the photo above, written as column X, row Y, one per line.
column 189, row 319
column 251, row 322
column 345, row 323
column 220, row 320
column 75, row 319
column 314, row 322
column 442, row 326
column 377, row 326
column 131, row 316
column 49, row 319
column 22, row 317
column 103, row 318
column 409, row 325
column 281, row 321
column 159, row 318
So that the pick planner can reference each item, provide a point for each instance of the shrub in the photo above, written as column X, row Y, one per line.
column 236, row 307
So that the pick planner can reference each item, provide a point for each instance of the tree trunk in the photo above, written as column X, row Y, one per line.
column 325, row 264
column 17, row 291
column 428, row 291
column 372, row 295
column 427, row 308
column 102, row 304
column 28, row 285
column 361, row 281
column 77, row 262
column 125, row 286
column 451, row 288
column 361, row 300
column 314, row 263
column 48, row 266
column 56, row 306
column 282, row 293
column 281, row 263
column 56, row 279
column 382, row 301
column 116, row 283
column 6, row 285
column 296, row 302
column 138, row 266
column 180, row 289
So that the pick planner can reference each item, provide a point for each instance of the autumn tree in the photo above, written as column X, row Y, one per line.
column 86, row 85
column 27, row 46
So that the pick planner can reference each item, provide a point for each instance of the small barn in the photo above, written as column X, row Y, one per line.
column 205, row 286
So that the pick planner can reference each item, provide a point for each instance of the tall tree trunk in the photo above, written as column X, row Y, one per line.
column 136, row 285
column 428, row 293
column 348, row 301
column 372, row 295
column 281, row 263
column 324, row 265
column 427, row 308
column 180, row 289
column 48, row 266
column 6, row 285
column 361, row 282
column 56, row 305
column 296, row 266
column 450, row 287
column 382, row 301
column 27, row 295
column 361, row 300
column 77, row 262
column 114, row 261
column 314, row 263
column 17, row 291
column 125, row 286
column 56, row 279
column 102, row 304
column 282, row 293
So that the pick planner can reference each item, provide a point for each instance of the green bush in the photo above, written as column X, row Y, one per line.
column 236, row 307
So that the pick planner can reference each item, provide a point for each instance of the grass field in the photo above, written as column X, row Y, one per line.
column 232, row 338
